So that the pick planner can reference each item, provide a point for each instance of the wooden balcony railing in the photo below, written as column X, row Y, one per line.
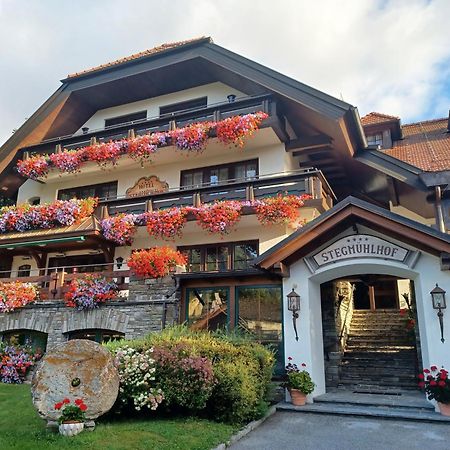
column 305, row 181
column 215, row 112
column 55, row 281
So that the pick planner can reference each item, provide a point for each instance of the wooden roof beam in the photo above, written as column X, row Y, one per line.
column 309, row 142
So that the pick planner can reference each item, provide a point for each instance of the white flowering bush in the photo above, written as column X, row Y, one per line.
column 137, row 379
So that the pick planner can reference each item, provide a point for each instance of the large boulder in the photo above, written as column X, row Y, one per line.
column 76, row 369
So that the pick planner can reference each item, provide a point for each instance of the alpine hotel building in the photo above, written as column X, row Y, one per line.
column 371, row 239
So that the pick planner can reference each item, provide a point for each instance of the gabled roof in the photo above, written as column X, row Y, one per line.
column 425, row 145
column 375, row 118
column 345, row 214
column 149, row 52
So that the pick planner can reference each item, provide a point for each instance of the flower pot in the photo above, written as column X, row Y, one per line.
column 444, row 408
column 71, row 428
column 298, row 398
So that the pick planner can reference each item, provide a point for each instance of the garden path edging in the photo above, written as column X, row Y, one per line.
column 247, row 429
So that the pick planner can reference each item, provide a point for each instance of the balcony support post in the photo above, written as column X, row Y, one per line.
column 131, row 134
column 196, row 200
column 250, row 193
column 149, row 205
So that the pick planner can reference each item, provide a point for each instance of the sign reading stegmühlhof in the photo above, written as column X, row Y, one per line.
column 360, row 246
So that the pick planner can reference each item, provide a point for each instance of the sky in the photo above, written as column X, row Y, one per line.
column 379, row 55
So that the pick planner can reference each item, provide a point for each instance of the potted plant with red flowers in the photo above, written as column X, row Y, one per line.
column 437, row 386
column 71, row 421
column 299, row 383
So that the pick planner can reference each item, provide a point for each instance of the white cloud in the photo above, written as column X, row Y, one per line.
column 389, row 56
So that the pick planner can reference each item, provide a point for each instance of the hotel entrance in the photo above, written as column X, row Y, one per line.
column 370, row 333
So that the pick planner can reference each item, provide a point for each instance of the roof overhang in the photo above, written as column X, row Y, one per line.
column 348, row 213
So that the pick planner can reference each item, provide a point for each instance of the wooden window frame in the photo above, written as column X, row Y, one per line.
column 88, row 186
column 206, row 171
column 231, row 254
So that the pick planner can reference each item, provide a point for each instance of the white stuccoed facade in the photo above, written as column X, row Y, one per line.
column 425, row 271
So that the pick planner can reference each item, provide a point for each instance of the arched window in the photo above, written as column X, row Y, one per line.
column 24, row 270
column 34, row 339
column 96, row 335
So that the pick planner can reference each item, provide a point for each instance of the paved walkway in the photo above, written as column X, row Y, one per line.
column 302, row 431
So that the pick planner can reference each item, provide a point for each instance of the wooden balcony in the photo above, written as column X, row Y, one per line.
column 215, row 112
column 305, row 181
column 53, row 283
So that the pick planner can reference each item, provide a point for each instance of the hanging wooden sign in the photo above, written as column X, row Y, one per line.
column 146, row 186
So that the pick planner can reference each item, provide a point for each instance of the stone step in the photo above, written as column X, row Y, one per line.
column 384, row 412
column 375, row 347
column 359, row 383
column 384, row 365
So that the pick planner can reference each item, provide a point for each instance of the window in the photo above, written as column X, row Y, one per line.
column 183, row 106
column 103, row 190
column 212, row 175
column 220, row 257
column 34, row 201
column 82, row 263
column 375, row 139
column 259, row 314
column 141, row 115
column 35, row 339
column 100, row 336
column 24, row 270
column 207, row 308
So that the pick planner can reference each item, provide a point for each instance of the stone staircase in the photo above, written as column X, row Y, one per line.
column 379, row 355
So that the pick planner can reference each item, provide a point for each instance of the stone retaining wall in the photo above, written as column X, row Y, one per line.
column 150, row 306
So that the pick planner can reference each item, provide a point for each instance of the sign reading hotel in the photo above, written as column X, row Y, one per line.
column 360, row 246
column 146, row 186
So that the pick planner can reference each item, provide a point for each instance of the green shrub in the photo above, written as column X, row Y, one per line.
column 242, row 371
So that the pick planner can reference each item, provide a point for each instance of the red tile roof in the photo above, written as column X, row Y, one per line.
column 425, row 145
column 150, row 52
column 376, row 118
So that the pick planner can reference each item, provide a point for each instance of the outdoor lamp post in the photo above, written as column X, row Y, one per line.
column 439, row 303
column 294, row 305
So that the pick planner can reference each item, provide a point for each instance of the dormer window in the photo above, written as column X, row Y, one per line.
column 375, row 139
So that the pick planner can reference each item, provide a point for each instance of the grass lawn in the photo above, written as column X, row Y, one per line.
column 22, row 429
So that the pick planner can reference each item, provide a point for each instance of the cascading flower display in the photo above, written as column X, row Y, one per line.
column 234, row 130
column 68, row 161
column 15, row 361
column 16, row 294
column 34, row 167
column 166, row 223
column 59, row 213
column 120, row 228
column 193, row 137
column 89, row 292
column 279, row 209
column 156, row 262
column 220, row 217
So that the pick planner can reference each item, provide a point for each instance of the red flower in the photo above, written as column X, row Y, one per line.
column 426, row 371
column 429, row 377
column 421, row 384
column 403, row 311
column 433, row 368
column 66, row 401
column 303, row 365
column 156, row 262
column 433, row 383
column 83, row 407
column 78, row 402
column 421, row 377
column 289, row 358
column 443, row 376
column 58, row 405
column 442, row 383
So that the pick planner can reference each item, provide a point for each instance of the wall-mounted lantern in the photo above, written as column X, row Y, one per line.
column 294, row 305
column 119, row 262
column 439, row 303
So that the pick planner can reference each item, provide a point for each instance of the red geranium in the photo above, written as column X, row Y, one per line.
column 156, row 262
column 220, row 217
column 166, row 223
column 437, row 385
column 234, row 130
column 279, row 209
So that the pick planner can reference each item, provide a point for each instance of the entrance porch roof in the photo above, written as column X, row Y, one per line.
column 350, row 213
